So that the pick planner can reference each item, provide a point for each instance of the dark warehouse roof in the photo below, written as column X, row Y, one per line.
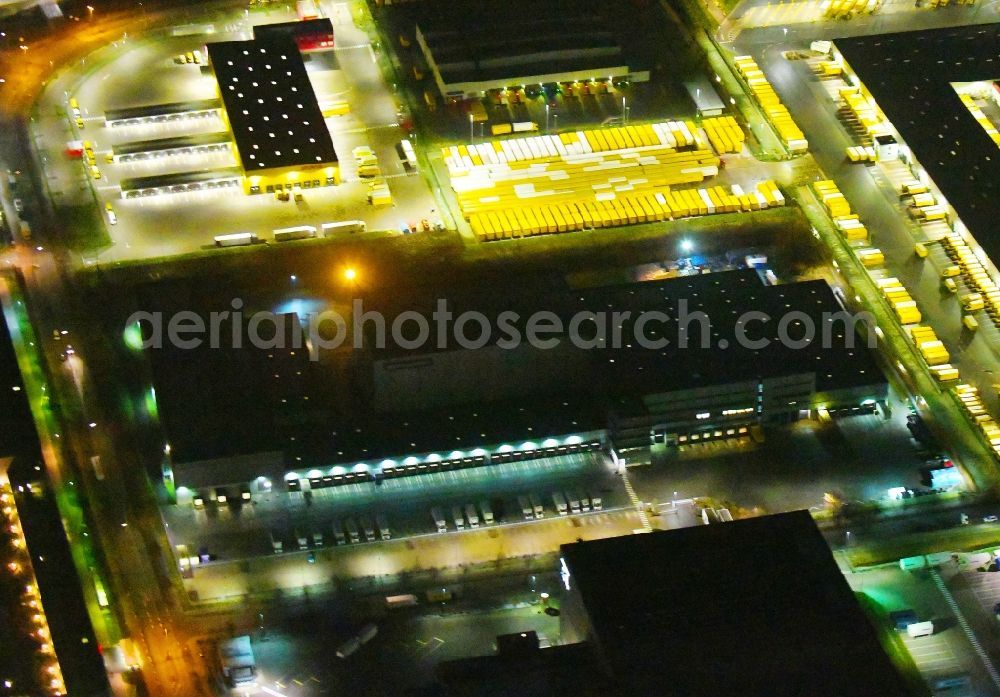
column 751, row 607
column 270, row 104
column 910, row 76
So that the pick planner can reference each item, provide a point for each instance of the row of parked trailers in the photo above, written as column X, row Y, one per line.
column 767, row 98
column 623, row 209
column 299, row 232
column 974, row 274
column 351, row 530
column 969, row 397
column 363, row 475
column 678, row 135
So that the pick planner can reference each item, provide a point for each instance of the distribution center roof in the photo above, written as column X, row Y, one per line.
column 270, row 399
column 724, row 298
column 752, row 607
column 551, row 37
column 910, row 76
column 270, row 103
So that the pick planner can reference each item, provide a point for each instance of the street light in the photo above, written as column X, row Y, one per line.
column 471, row 134
column 546, row 118
column 350, row 274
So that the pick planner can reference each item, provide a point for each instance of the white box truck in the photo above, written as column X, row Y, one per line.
column 352, row 530
column 596, row 502
column 338, row 533
column 439, row 521
column 574, row 501
column 236, row 657
column 471, row 515
column 369, row 527
column 458, row 516
column 536, row 506
column 526, row 509
column 383, row 526
column 560, row 503
column 302, row 538
column 276, row 543
column 918, row 629
column 484, row 508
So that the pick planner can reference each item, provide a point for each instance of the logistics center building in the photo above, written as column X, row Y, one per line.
column 282, row 141
column 413, row 411
column 553, row 43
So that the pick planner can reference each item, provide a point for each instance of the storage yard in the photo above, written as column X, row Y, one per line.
column 598, row 178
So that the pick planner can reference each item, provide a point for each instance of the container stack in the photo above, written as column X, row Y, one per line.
column 768, row 99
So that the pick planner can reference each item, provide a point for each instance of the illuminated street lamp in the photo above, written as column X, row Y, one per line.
column 471, row 134
column 350, row 274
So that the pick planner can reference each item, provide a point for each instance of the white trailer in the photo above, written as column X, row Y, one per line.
column 235, row 239
column 560, row 503
column 471, row 515
column 300, row 232
column 238, row 664
column 439, row 521
column 348, row 226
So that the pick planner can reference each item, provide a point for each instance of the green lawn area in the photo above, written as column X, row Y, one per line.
column 82, row 229
column 401, row 261
column 968, row 538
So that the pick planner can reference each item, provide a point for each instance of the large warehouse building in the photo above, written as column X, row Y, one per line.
column 911, row 77
column 658, row 614
column 553, row 42
column 407, row 411
column 282, row 141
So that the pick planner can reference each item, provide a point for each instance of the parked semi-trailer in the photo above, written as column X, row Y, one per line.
column 236, row 657
column 235, row 239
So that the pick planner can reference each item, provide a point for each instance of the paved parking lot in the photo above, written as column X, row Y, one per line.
column 244, row 531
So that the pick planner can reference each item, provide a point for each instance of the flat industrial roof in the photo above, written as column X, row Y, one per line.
column 751, row 607
column 271, row 400
column 149, row 110
column 910, row 76
column 552, row 37
column 308, row 27
column 179, row 178
column 270, row 103
column 723, row 297
column 160, row 144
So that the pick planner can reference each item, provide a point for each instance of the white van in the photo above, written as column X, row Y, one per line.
column 918, row 629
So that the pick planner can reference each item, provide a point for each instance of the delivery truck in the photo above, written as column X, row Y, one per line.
column 236, row 658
